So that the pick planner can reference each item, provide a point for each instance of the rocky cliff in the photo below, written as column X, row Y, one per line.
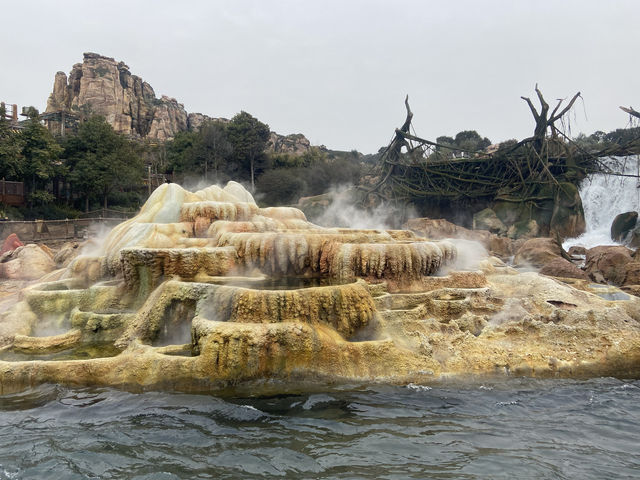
column 101, row 85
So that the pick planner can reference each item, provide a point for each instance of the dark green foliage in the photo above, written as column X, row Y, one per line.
column 464, row 144
column 248, row 137
column 181, row 153
column 11, row 158
column 203, row 154
column 312, row 173
column 101, row 160
column 280, row 187
column 40, row 152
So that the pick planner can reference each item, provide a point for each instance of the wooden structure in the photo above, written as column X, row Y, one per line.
column 58, row 123
column 418, row 171
column 11, row 193
column 12, row 115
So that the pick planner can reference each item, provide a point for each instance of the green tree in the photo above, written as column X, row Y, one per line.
column 11, row 158
column 471, row 140
column 212, row 147
column 101, row 160
column 248, row 137
column 41, row 153
column 181, row 153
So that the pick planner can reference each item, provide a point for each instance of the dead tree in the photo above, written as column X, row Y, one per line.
column 630, row 111
column 544, row 121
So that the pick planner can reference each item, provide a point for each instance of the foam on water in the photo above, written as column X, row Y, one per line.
column 604, row 197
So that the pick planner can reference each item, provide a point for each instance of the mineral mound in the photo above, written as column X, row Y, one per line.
column 204, row 290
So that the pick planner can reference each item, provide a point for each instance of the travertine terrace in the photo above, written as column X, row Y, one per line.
column 204, row 290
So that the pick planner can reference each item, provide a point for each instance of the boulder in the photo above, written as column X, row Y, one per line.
column 608, row 263
column 11, row 243
column 622, row 225
column 538, row 252
column 561, row 267
column 488, row 220
column 28, row 262
column 632, row 273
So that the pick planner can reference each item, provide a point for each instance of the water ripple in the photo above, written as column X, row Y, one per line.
column 516, row 427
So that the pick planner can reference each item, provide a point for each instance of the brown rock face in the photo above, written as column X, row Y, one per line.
column 538, row 252
column 100, row 85
column 608, row 263
column 560, row 267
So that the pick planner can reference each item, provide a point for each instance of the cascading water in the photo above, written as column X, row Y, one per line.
column 604, row 197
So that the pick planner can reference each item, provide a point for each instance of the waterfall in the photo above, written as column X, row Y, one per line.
column 604, row 197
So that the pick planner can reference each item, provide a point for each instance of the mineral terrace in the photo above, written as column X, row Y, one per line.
column 204, row 290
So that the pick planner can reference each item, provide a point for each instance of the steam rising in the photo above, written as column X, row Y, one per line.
column 343, row 212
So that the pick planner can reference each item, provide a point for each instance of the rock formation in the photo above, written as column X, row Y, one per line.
column 294, row 144
column 101, row 85
column 202, row 290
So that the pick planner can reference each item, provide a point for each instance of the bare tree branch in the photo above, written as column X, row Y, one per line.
column 630, row 111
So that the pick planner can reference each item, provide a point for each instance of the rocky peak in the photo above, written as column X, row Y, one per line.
column 100, row 85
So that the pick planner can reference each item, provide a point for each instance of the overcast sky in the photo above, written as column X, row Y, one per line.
column 338, row 71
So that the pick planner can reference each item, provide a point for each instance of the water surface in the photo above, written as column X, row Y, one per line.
column 508, row 428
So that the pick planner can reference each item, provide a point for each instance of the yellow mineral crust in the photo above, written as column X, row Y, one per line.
column 157, row 306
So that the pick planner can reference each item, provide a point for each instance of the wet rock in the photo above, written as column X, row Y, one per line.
column 622, row 225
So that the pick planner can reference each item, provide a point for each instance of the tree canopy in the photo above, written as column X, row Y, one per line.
column 99, row 159
column 248, row 137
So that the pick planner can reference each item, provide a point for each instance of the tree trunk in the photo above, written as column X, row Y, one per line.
column 86, row 203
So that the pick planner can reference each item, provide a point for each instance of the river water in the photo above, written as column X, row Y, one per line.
column 501, row 428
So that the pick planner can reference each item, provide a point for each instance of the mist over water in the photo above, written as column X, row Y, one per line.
column 509, row 428
column 604, row 197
